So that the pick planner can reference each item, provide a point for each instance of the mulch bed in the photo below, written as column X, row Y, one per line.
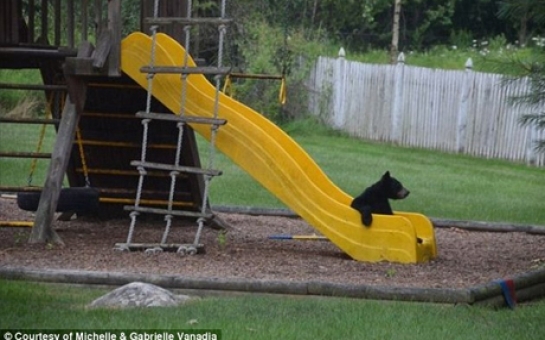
column 466, row 258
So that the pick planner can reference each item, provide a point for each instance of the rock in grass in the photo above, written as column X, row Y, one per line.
column 139, row 294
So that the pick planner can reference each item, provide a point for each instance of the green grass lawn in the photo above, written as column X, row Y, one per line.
column 15, row 138
column 33, row 305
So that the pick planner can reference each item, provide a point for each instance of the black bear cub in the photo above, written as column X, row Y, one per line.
column 374, row 200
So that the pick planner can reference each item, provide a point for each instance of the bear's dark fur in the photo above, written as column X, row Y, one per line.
column 374, row 200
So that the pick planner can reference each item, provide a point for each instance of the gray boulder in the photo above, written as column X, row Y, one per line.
column 139, row 294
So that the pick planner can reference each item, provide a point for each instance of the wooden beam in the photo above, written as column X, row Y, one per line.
column 19, row 189
column 104, row 46
column 31, row 20
column 82, row 67
column 208, row 70
column 43, row 34
column 7, row 154
column 70, row 24
column 185, row 119
column 176, row 168
column 98, row 17
column 57, row 22
column 168, row 212
column 30, row 120
column 187, row 21
column 32, row 87
column 84, row 20
column 42, row 232
column 114, row 26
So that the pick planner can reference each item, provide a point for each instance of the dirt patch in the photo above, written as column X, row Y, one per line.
column 465, row 258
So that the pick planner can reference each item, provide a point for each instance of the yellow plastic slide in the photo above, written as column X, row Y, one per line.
column 276, row 161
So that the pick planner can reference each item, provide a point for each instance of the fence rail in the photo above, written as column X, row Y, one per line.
column 454, row 111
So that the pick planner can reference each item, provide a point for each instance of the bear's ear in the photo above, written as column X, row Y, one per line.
column 386, row 175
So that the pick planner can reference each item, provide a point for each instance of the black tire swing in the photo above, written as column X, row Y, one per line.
column 75, row 199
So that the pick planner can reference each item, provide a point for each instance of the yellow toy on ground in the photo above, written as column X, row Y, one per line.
column 278, row 163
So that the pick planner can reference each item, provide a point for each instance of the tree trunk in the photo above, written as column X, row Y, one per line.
column 314, row 10
column 395, row 32
column 522, row 30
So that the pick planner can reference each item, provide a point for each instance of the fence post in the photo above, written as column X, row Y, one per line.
column 399, row 74
column 531, row 158
column 461, row 125
column 339, row 91
column 534, row 135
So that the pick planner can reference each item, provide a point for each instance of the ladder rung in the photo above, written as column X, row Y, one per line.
column 185, row 70
column 124, row 144
column 118, row 86
column 25, row 155
column 108, row 115
column 162, row 246
column 167, row 212
column 169, row 116
column 187, row 21
column 116, row 200
column 170, row 167
column 33, row 87
column 30, row 120
column 132, row 192
column 256, row 76
column 115, row 172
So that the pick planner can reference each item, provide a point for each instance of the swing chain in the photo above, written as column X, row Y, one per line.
column 34, row 163
column 82, row 156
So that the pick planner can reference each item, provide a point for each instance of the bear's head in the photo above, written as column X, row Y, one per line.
column 392, row 187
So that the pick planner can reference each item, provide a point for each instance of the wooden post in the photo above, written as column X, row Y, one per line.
column 98, row 18
column 71, row 25
column 57, row 23
column 43, row 34
column 339, row 88
column 534, row 133
column 397, row 107
column 167, row 8
column 114, row 26
column 42, row 231
column 84, row 20
column 31, row 20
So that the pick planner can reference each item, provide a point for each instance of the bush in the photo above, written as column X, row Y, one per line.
column 275, row 51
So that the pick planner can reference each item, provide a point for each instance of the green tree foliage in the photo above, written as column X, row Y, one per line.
column 532, row 67
column 360, row 25
column 523, row 15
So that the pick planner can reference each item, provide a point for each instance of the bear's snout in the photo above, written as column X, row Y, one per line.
column 403, row 193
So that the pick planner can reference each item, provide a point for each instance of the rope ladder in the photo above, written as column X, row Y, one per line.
column 175, row 170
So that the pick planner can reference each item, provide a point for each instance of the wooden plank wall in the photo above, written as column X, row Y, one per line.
column 453, row 111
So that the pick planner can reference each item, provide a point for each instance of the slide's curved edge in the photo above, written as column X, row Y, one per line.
column 277, row 162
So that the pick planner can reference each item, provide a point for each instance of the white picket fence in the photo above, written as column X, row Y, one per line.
column 454, row 111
